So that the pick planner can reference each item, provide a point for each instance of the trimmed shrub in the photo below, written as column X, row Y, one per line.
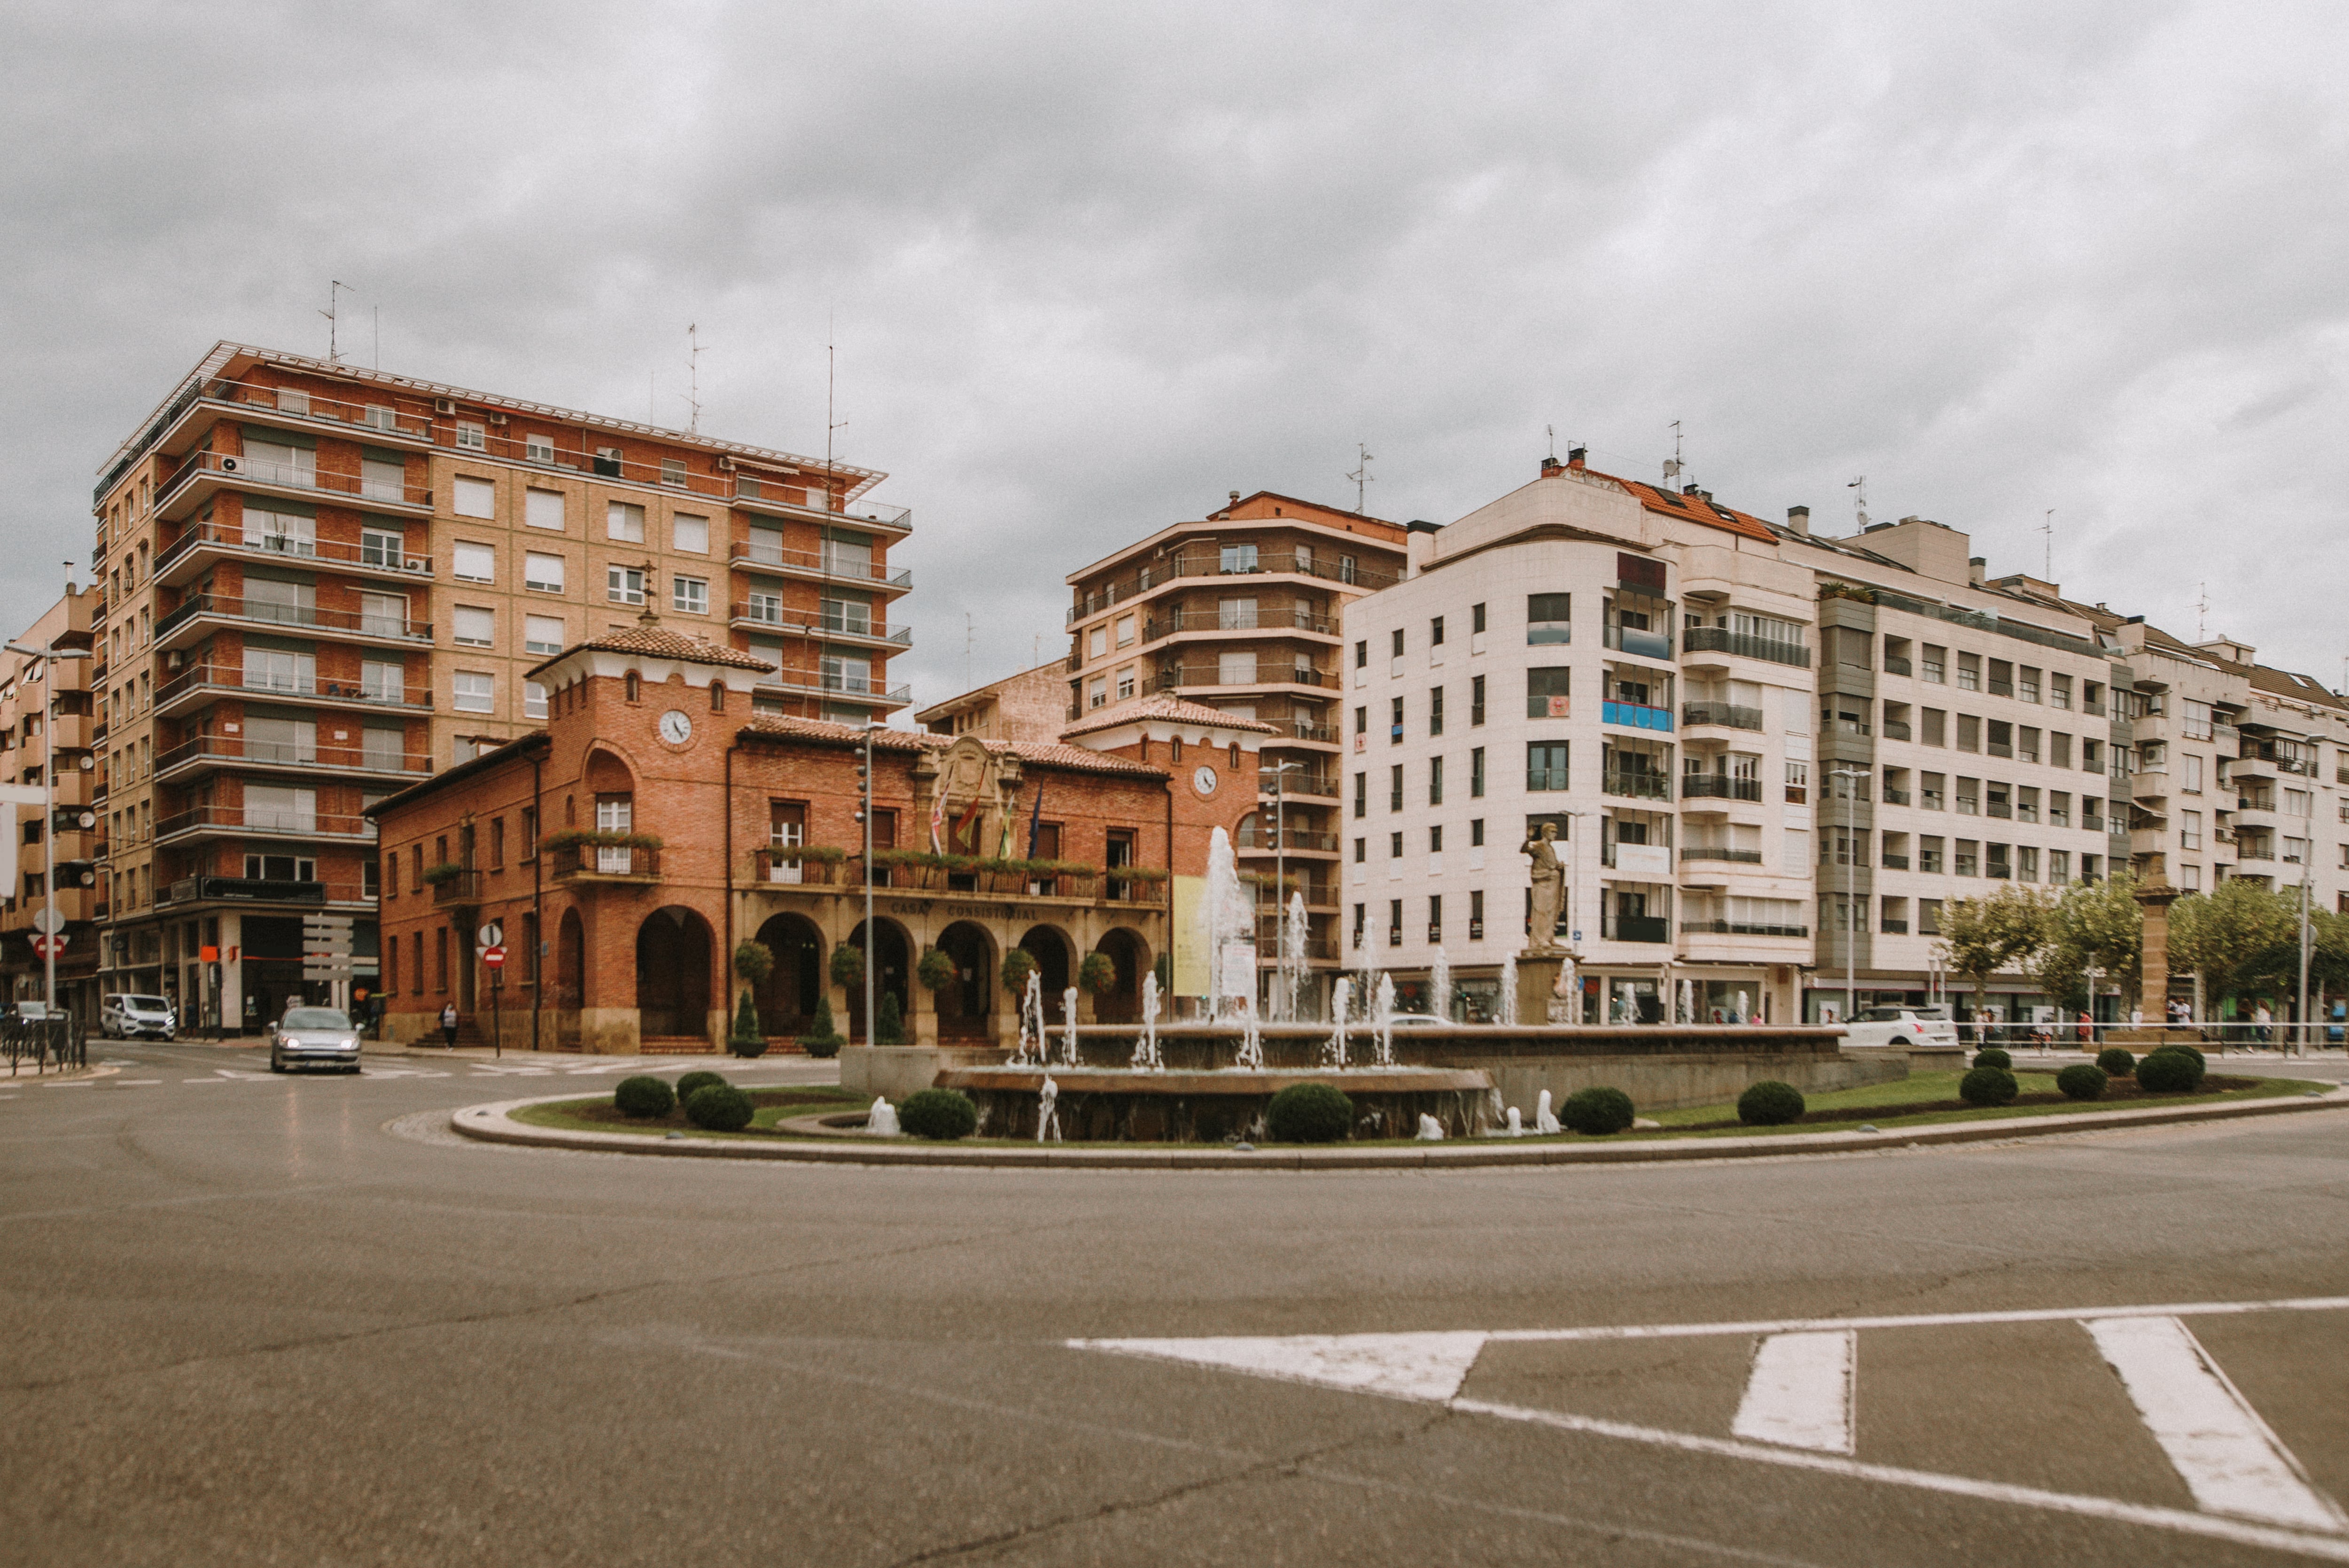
column 746, row 1041
column 823, row 1039
column 848, row 966
column 1098, row 974
column 1596, row 1112
column 1988, row 1086
column 2081, row 1081
column 720, row 1107
column 754, row 960
column 691, row 1081
column 2116, row 1062
column 938, row 1113
column 1308, row 1113
column 2183, row 1050
column 936, row 969
column 1769, row 1104
column 643, row 1097
column 2169, row 1072
column 1017, row 964
column 822, row 1047
column 1993, row 1058
column 888, row 1022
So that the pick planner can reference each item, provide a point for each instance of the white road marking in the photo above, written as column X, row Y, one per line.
column 1923, row 1320
column 1400, row 1366
column 1799, row 1393
column 2227, row 1456
column 135, row 1083
column 78, row 1083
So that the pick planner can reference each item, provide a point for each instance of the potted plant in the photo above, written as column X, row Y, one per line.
column 822, row 1039
column 1017, row 964
column 1098, row 974
column 746, row 1041
column 936, row 969
column 446, row 872
column 848, row 966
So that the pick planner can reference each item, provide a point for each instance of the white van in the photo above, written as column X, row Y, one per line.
column 123, row 1015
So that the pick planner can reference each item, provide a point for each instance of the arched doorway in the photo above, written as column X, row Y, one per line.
column 787, row 1001
column 891, row 963
column 1048, row 947
column 964, row 1005
column 569, row 962
column 1122, row 1002
column 673, row 975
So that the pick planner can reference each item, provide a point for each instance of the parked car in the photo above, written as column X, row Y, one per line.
column 122, row 1015
column 308, row 1037
column 1418, row 1021
column 32, row 1012
column 1901, row 1027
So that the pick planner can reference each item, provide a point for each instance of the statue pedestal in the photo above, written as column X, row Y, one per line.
column 1538, row 975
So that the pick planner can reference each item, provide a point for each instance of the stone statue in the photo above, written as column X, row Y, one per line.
column 1548, row 884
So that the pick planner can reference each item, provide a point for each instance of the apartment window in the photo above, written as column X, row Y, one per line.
column 1394, row 846
column 1798, row 783
column 1435, row 711
column 2059, row 808
column 2190, row 772
column 1549, row 618
column 544, row 573
column 473, row 627
column 1436, row 782
column 2059, row 749
column 1476, row 617
column 1435, row 632
column 1929, row 853
column 470, row 436
column 2189, row 830
column 624, row 520
column 1546, row 765
column 2026, row 863
column 2026, row 684
column 1395, row 722
column 534, row 700
column 1238, row 558
column 538, row 448
column 1476, row 832
column 474, row 563
column 1357, row 925
column 474, row 690
column 1097, row 642
column 2059, row 691
column 2059, row 867
column 673, row 471
column 1362, row 653
column 543, row 509
column 1968, row 858
column 382, row 680
column 1361, row 851
column 473, row 497
column 1394, row 922
column 623, row 584
column 1126, row 631
column 1125, row 682
column 1476, row 774
column 1362, row 794
column 1969, row 797
column 1547, row 690
column 2092, row 756
column 381, row 547
column 1475, row 702
column 1394, row 788
column 1934, row 665
column 1097, row 694
column 689, row 596
column 2026, row 743
column 1476, row 914
column 1928, row 917
column 688, row 535
column 1969, row 672
column 1968, row 732
column 1933, row 726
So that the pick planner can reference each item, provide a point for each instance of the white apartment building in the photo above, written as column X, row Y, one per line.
column 1968, row 736
column 1631, row 666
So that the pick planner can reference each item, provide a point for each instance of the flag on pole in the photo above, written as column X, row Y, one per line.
column 1036, row 819
column 964, row 832
column 1003, row 837
column 937, row 821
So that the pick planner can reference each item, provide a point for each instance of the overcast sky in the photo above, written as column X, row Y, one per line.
column 1091, row 267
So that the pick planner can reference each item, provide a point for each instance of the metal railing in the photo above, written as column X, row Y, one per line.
column 1639, row 786
column 1634, row 641
column 465, row 887
column 193, row 889
column 1720, row 712
column 1264, row 618
column 770, row 612
column 1205, row 675
column 291, row 476
column 1331, row 569
column 276, row 546
column 1894, row 665
column 62, row 1042
column 755, row 554
column 309, row 618
column 1635, row 928
column 1265, row 839
column 229, row 678
column 1719, row 786
column 767, row 493
column 1718, row 853
column 309, row 824
column 1636, row 716
column 604, row 861
column 861, row 686
column 1722, row 640
column 289, row 753
column 1741, row 928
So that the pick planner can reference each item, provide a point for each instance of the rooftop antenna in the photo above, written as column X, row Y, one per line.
column 2201, row 610
column 1551, row 431
column 1362, row 476
column 334, row 300
column 2048, row 528
column 692, row 378
column 829, row 424
column 1673, row 464
column 1860, row 500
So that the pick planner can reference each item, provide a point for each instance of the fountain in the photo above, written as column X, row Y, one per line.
column 1047, row 1115
column 1146, row 1049
column 1293, row 960
column 880, row 1121
column 1251, row 1053
column 1341, row 996
column 1545, row 1118
column 1034, row 1047
column 1506, row 1012
column 1229, row 916
column 1069, row 1016
column 1439, row 985
column 1382, row 1020
column 1430, row 1129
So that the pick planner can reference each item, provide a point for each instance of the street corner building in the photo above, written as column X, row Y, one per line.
column 656, row 822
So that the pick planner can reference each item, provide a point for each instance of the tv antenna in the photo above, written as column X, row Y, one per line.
column 1551, row 431
column 1860, row 500
column 692, row 378
column 1673, row 467
column 2201, row 610
column 334, row 300
column 831, row 424
column 1362, row 476
column 2048, row 528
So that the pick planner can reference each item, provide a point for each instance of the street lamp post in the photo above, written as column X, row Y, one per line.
column 46, row 655
column 1573, row 920
column 1850, row 871
column 865, row 816
column 1279, row 864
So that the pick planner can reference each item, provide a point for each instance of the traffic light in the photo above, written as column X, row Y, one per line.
column 77, row 874
column 73, row 820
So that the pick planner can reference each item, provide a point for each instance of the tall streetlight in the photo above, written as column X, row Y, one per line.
column 46, row 655
column 1279, row 860
column 865, row 816
column 1573, row 917
column 1850, row 914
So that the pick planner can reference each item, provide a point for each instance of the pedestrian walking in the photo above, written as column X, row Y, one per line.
column 449, row 1023
column 2262, row 1019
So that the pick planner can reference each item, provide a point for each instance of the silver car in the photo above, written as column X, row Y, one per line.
column 307, row 1036
column 123, row 1017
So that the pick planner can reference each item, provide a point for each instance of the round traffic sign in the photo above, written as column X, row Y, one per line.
column 495, row 957
column 45, row 946
column 51, row 921
column 492, row 935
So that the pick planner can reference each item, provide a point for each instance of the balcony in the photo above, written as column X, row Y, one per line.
column 205, row 474
column 807, row 502
column 790, row 865
column 285, row 408
column 242, row 890
column 208, row 753
column 1998, row 870
column 201, row 683
column 198, row 615
column 1321, row 786
column 770, row 615
column 859, row 689
column 1320, row 734
column 1262, row 839
column 1617, row 781
column 1272, row 618
column 203, row 545
column 1891, row 926
column 462, row 889
column 1740, row 928
column 1251, row 562
column 1210, row 675
column 1894, row 665
column 1637, row 643
column 1635, row 928
column 1892, row 862
column 1721, row 714
column 1722, row 640
column 1897, row 729
column 1636, row 716
column 258, row 822
column 1719, row 786
column 815, row 566
column 1721, row 852
column 590, row 863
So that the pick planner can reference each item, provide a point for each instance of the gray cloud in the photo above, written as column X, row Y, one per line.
column 1091, row 267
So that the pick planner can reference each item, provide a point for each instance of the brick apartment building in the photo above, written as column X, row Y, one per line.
column 1239, row 610
column 320, row 583
column 657, row 822
column 41, row 728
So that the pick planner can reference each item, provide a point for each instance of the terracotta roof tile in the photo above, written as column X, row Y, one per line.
column 1076, row 758
column 1180, row 710
column 1694, row 508
column 658, row 641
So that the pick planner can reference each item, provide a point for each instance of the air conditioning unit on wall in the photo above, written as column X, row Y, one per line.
column 496, row 417
column 444, row 405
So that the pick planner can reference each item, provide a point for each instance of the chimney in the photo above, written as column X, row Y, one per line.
column 1688, row 489
column 1550, row 467
column 1977, row 569
column 1798, row 518
column 1226, row 512
column 1575, row 456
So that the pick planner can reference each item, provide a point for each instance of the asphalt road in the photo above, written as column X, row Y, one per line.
column 252, row 1321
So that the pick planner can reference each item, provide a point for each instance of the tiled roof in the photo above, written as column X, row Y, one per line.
column 778, row 727
column 658, row 641
column 1179, row 709
column 1694, row 508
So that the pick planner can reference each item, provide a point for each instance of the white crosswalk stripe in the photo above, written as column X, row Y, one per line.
column 1799, row 1393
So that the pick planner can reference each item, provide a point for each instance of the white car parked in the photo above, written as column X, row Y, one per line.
column 1901, row 1027
column 123, row 1017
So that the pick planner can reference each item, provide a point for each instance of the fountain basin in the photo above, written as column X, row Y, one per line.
column 1133, row 1105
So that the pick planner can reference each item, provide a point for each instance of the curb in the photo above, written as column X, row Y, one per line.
column 491, row 1123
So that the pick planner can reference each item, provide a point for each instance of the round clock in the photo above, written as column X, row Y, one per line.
column 1203, row 779
column 675, row 728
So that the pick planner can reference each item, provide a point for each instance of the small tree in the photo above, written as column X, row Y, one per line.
column 889, row 1027
column 754, row 960
column 848, row 966
column 1098, row 974
column 2093, row 923
column 1981, row 936
column 746, row 1034
column 2236, row 934
column 823, row 1039
column 938, row 969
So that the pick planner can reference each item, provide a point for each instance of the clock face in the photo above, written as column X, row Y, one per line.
column 675, row 728
column 1203, row 779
